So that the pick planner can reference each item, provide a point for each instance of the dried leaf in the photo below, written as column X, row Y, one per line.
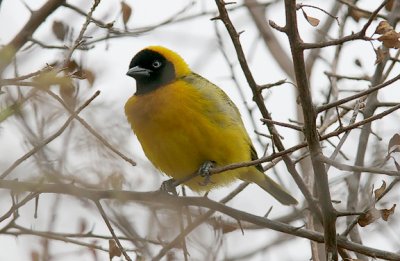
column 113, row 249
column 59, row 30
column 357, row 14
column 46, row 79
column 85, row 74
column 390, row 39
column 387, row 212
column 380, row 55
column 126, row 12
column 311, row 20
column 67, row 93
column 383, row 27
column 389, row 5
column 369, row 217
column 72, row 66
column 394, row 144
column 89, row 76
column 378, row 192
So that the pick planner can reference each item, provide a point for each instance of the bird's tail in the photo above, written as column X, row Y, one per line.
column 270, row 186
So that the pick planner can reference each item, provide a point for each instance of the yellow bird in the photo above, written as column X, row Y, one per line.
column 186, row 123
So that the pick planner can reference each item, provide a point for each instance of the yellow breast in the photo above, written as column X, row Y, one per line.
column 179, row 129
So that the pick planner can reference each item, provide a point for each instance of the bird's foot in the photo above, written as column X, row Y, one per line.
column 204, row 171
column 168, row 186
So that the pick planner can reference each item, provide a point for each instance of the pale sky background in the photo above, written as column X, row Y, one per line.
column 195, row 40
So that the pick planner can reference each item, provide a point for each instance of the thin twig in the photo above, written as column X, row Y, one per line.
column 258, row 99
column 283, row 124
column 105, row 218
column 49, row 139
column 358, row 95
column 93, row 131
column 163, row 199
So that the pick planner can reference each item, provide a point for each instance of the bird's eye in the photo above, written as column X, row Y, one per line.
column 156, row 64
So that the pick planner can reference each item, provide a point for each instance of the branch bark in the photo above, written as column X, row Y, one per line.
column 8, row 52
column 166, row 200
column 310, row 131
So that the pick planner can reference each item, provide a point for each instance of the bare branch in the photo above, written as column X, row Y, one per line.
column 49, row 139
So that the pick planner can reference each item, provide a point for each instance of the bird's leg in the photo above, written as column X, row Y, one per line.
column 204, row 171
column 169, row 186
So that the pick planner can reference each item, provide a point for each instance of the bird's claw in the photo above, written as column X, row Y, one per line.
column 204, row 171
column 168, row 186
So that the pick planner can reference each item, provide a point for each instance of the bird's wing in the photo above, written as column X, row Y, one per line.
column 219, row 98
column 216, row 94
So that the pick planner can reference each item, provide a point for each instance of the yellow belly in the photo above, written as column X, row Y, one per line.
column 179, row 130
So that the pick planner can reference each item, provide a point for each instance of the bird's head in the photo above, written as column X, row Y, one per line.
column 156, row 66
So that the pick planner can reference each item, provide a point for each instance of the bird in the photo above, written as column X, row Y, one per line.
column 185, row 123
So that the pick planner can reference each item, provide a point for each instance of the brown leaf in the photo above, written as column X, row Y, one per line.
column 389, row 5
column 357, row 14
column 113, row 249
column 394, row 144
column 378, row 192
column 383, row 27
column 126, row 12
column 59, row 30
column 369, row 217
column 390, row 39
column 380, row 55
column 311, row 20
column 387, row 212
column 67, row 93
column 85, row 74
column 72, row 66
column 89, row 76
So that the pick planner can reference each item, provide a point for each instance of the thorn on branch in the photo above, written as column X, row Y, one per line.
column 276, row 27
column 283, row 124
column 229, row 3
column 241, row 227
column 339, row 119
column 268, row 212
column 270, row 85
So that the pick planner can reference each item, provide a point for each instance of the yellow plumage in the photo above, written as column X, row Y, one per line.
column 185, row 121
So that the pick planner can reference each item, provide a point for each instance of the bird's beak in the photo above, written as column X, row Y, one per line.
column 138, row 71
